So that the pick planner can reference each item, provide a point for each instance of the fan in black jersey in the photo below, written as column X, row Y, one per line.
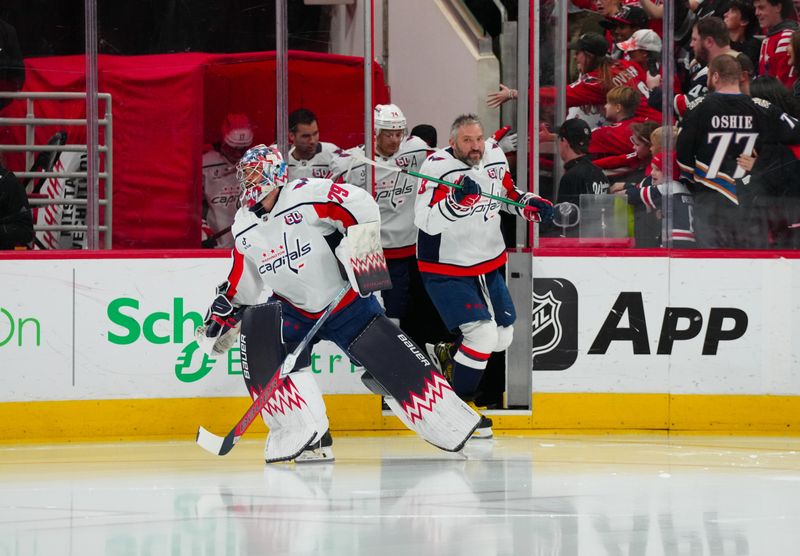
column 714, row 132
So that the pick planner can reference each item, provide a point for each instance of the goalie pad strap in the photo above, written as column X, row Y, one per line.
column 420, row 396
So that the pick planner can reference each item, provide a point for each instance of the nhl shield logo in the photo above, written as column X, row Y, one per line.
column 554, row 324
column 547, row 330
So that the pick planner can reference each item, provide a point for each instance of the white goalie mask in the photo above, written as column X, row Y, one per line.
column 260, row 171
column 388, row 116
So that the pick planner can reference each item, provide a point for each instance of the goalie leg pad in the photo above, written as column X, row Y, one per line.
column 420, row 396
column 292, row 413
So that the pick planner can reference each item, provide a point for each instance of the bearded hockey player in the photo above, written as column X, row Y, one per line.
column 395, row 193
column 461, row 249
column 290, row 238
column 220, row 188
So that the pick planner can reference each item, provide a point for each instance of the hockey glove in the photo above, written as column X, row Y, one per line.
column 344, row 254
column 506, row 140
column 468, row 194
column 537, row 209
column 220, row 330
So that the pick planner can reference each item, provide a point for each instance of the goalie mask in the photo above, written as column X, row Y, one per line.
column 261, row 171
column 388, row 116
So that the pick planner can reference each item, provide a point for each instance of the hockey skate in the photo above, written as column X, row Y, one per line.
column 319, row 451
column 442, row 356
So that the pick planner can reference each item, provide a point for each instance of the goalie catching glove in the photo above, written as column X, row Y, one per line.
column 220, row 330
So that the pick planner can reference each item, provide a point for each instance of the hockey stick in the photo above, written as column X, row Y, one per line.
column 219, row 445
column 435, row 180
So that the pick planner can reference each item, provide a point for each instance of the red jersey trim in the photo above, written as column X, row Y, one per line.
column 235, row 274
column 400, row 252
column 455, row 270
column 335, row 212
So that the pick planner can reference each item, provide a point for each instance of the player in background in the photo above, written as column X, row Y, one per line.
column 775, row 17
column 290, row 239
column 395, row 194
column 715, row 131
column 308, row 156
column 460, row 250
column 220, row 187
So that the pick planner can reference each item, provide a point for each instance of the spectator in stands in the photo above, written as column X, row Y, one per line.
column 707, row 156
column 615, row 138
column 599, row 74
column 220, row 186
column 644, row 50
column 740, row 19
column 794, row 56
column 775, row 18
column 650, row 193
column 308, row 156
column 581, row 176
column 710, row 39
column 622, row 25
column 631, row 165
column 16, row 221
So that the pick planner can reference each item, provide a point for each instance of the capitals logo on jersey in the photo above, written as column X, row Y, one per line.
column 396, row 192
column 289, row 256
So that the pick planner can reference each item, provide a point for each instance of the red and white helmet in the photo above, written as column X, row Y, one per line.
column 260, row 171
column 388, row 116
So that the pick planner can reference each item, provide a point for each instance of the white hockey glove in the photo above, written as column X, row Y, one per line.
column 506, row 140
column 361, row 255
column 220, row 330
column 344, row 254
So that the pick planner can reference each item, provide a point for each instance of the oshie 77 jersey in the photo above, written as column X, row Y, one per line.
column 290, row 249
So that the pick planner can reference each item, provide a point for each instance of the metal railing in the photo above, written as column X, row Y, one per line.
column 30, row 148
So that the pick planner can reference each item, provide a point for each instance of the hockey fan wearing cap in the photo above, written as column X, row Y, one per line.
column 598, row 73
column 395, row 194
column 643, row 48
column 461, row 249
column 623, row 24
column 581, row 176
column 290, row 239
column 308, row 156
column 220, row 188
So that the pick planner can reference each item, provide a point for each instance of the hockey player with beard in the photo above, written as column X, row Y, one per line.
column 290, row 239
column 460, row 250
column 220, row 188
column 395, row 193
column 308, row 156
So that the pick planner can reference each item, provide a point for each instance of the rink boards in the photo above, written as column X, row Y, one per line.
column 102, row 347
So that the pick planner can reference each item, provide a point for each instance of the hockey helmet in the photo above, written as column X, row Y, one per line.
column 388, row 116
column 260, row 172
column 237, row 131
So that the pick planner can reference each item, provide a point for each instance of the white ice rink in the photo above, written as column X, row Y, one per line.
column 526, row 495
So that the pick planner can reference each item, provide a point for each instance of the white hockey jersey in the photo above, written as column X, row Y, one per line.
column 221, row 193
column 290, row 248
column 319, row 166
column 456, row 240
column 394, row 192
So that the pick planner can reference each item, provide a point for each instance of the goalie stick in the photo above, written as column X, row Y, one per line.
column 222, row 445
column 435, row 180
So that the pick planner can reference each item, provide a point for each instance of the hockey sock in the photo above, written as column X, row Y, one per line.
column 466, row 380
